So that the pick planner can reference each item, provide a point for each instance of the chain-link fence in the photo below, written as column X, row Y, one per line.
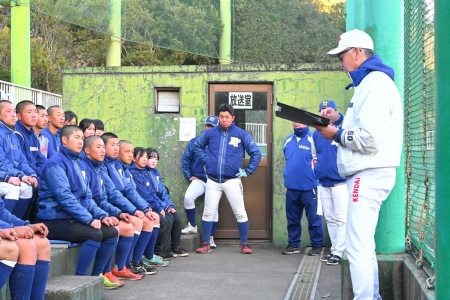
column 420, row 129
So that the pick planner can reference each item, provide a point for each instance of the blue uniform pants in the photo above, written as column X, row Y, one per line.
column 296, row 201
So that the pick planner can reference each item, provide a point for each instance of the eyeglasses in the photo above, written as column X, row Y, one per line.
column 341, row 55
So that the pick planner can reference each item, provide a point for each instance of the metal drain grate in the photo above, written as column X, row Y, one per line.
column 304, row 284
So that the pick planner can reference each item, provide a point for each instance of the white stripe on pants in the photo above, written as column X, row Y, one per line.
column 335, row 203
column 367, row 190
column 235, row 195
column 196, row 188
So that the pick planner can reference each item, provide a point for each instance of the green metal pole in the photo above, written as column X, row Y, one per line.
column 225, row 37
column 113, row 55
column 20, row 43
column 384, row 23
column 442, row 163
column 350, row 15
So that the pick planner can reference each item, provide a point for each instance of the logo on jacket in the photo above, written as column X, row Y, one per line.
column 355, row 192
column 147, row 183
column 303, row 147
column 234, row 141
column 350, row 105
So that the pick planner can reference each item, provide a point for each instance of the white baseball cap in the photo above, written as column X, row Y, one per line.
column 352, row 39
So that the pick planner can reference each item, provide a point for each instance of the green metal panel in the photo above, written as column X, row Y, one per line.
column 124, row 98
column 20, row 43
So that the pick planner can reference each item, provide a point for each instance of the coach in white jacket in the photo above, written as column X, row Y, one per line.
column 370, row 145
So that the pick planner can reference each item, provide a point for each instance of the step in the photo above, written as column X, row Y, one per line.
column 71, row 287
column 190, row 242
column 63, row 261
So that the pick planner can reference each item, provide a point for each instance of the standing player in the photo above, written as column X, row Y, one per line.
column 226, row 146
column 194, row 171
column 301, row 190
column 370, row 146
column 332, row 189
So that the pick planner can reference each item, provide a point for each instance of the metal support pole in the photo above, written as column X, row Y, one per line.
column 225, row 37
column 442, row 161
column 354, row 14
column 20, row 43
column 113, row 55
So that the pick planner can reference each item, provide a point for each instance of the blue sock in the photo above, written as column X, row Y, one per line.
column 21, row 208
column 214, row 227
column 103, row 255
column 21, row 281
column 5, row 271
column 206, row 228
column 10, row 204
column 123, row 248
column 243, row 231
column 133, row 245
column 141, row 244
column 42, row 268
column 190, row 214
column 86, row 256
column 108, row 265
column 150, row 249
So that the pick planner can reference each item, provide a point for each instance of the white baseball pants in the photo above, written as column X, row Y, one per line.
column 196, row 188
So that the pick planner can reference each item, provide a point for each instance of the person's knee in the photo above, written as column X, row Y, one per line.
column 42, row 247
column 11, row 192
column 137, row 223
column 26, row 191
column 125, row 229
column 241, row 216
column 148, row 224
column 27, row 251
column 189, row 202
column 95, row 235
column 155, row 218
column 208, row 214
column 9, row 250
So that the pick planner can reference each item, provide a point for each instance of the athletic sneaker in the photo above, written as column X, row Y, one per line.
column 156, row 261
column 205, row 248
column 189, row 229
column 326, row 257
column 179, row 252
column 125, row 273
column 334, row 260
column 245, row 249
column 108, row 285
column 135, row 269
column 291, row 250
column 113, row 278
column 148, row 270
column 315, row 251
column 168, row 255
column 211, row 242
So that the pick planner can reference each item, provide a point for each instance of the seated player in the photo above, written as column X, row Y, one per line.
column 66, row 207
column 53, row 130
column 41, row 123
column 99, row 127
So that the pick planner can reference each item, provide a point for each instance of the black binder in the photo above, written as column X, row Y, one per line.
column 298, row 115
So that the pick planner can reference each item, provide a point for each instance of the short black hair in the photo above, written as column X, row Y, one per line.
column 225, row 107
column 89, row 141
column 69, row 116
column 40, row 107
column 22, row 104
column 151, row 151
column 68, row 130
column 85, row 123
column 2, row 102
column 50, row 109
column 99, row 124
column 107, row 136
column 139, row 152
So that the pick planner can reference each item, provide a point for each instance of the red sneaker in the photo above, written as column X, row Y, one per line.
column 245, row 249
column 113, row 278
column 205, row 248
column 125, row 273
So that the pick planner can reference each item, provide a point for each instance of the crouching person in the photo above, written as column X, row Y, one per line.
column 66, row 207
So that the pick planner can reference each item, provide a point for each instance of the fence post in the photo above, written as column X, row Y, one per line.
column 225, row 36
column 442, row 159
column 113, row 54
column 20, row 43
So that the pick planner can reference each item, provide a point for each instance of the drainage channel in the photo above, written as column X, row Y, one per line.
column 304, row 283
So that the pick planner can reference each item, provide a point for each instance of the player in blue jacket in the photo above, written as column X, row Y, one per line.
column 53, row 130
column 14, row 168
column 194, row 171
column 226, row 146
column 66, row 207
column 332, row 189
column 301, row 184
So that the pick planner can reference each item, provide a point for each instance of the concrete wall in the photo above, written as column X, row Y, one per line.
column 124, row 99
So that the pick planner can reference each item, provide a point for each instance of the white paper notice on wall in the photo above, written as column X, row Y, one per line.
column 187, row 129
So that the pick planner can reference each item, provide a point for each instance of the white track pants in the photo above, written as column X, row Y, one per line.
column 335, row 203
column 195, row 190
column 235, row 194
column 367, row 190
column 14, row 192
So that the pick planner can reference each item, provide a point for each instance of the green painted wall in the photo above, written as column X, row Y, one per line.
column 124, row 99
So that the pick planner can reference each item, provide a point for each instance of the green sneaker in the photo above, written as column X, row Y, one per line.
column 155, row 262
column 108, row 285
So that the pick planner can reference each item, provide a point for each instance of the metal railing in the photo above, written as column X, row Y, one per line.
column 258, row 132
column 16, row 93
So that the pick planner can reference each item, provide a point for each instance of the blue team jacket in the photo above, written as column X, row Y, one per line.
column 298, row 171
column 12, row 161
column 142, row 180
column 54, row 141
column 118, row 174
column 326, row 167
column 97, row 187
column 8, row 220
column 30, row 145
column 64, row 190
column 226, row 151
column 193, row 164
column 157, row 183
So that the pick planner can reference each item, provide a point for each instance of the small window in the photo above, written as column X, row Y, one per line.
column 167, row 100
